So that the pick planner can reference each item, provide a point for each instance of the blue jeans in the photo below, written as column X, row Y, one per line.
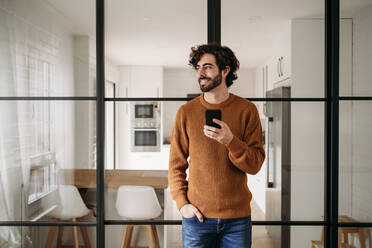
column 223, row 233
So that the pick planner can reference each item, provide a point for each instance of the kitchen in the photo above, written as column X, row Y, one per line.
column 147, row 57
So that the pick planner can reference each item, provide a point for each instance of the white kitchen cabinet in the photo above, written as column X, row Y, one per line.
column 277, row 68
column 142, row 81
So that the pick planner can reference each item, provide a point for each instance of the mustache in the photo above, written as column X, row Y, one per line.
column 201, row 78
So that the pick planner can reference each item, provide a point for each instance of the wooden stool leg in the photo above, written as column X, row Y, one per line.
column 362, row 239
column 84, row 232
column 150, row 239
column 339, row 238
column 127, row 236
column 155, row 235
column 152, row 236
column 75, row 235
column 346, row 237
column 51, row 233
column 60, row 235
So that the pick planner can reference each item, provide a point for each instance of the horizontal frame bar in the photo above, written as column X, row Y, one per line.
column 179, row 222
column 355, row 98
column 48, row 98
column 355, row 224
column 46, row 223
column 175, row 99
column 167, row 99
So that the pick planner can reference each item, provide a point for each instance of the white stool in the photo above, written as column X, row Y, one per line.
column 70, row 207
column 138, row 203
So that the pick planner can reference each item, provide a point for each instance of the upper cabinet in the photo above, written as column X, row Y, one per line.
column 279, row 65
column 141, row 81
column 277, row 68
column 298, row 59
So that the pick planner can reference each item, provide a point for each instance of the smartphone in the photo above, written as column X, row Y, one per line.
column 210, row 114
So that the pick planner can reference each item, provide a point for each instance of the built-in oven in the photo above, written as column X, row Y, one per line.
column 145, row 126
column 146, row 140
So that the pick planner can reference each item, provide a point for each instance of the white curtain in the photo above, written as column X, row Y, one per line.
column 15, row 136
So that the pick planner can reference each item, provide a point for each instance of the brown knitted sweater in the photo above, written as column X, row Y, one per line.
column 217, row 180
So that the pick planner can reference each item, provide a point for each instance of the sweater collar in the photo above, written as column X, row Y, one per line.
column 216, row 106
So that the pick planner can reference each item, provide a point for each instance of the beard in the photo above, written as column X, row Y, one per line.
column 210, row 85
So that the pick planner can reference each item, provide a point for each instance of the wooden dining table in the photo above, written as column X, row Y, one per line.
column 86, row 178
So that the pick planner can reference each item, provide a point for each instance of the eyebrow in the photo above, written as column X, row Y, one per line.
column 204, row 64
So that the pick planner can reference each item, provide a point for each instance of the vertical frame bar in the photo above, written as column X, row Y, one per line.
column 214, row 21
column 332, row 40
column 100, row 105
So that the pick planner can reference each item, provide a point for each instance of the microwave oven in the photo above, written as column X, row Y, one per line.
column 145, row 114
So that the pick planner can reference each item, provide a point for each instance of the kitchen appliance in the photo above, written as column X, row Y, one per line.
column 145, row 126
column 278, row 159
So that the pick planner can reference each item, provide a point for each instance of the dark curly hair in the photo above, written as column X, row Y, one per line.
column 224, row 57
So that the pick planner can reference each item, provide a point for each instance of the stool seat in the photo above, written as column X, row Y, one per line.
column 137, row 202
column 70, row 205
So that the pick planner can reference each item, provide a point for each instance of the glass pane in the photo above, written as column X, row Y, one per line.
column 147, row 39
column 46, row 146
column 356, row 47
column 352, row 236
column 142, row 158
column 294, row 144
column 55, row 236
column 305, row 236
column 262, row 236
column 47, row 48
column 286, row 236
column 355, row 160
column 278, row 44
column 356, row 236
column 114, row 235
column 292, row 176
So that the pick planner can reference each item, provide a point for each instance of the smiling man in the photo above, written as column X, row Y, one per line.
column 215, row 200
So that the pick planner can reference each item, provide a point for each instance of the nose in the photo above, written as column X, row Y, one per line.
column 200, row 72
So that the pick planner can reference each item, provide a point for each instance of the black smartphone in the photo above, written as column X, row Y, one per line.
column 210, row 114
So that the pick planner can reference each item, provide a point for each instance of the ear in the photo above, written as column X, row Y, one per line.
column 226, row 71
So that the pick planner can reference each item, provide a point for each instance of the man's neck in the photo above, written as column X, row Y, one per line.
column 216, row 97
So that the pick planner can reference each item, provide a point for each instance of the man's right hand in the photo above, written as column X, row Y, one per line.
column 189, row 211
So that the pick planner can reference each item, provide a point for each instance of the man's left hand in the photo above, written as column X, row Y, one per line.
column 223, row 135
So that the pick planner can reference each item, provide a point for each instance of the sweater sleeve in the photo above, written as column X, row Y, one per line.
column 248, row 154
column 179, row 152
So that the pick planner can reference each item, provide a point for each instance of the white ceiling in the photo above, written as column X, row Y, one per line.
column 161, row 32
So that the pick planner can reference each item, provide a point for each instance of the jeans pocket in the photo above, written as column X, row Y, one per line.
column 189, row 218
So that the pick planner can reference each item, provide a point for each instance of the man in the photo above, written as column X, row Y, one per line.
column 215, row 200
